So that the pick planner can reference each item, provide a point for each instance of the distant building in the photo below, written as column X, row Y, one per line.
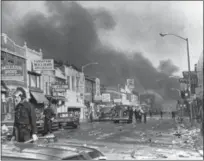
column 199, row 89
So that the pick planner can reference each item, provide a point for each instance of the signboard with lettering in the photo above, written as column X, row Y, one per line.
column 98, row 98
column 60, row 86
column 12, row 72
column 98, row 92
column 130, row 84
column 106, row 97
column 117, row 100
column 44, row 64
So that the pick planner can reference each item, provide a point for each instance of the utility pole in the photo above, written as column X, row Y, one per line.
column 189, row 71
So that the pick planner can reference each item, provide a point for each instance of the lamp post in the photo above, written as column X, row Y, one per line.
column 189, row 68
column 84, row 66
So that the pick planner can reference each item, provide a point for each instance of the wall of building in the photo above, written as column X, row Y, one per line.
column 199, row 89
column 48, row 80
column 13, row 59
column 34, row 55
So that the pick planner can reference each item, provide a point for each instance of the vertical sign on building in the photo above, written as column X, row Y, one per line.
column 98, row 91
column 130, row 84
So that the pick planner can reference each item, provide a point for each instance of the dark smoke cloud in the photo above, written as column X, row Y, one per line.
column 69, row 33
column 167, row 67
column 103, row 18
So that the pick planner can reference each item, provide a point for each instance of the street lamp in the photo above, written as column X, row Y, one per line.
column 84, row 66
column 188, row 56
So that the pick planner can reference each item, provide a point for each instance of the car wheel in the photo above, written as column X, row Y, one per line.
column 74, row 126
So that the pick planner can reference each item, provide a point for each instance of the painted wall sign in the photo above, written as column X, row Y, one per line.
column 12, row 72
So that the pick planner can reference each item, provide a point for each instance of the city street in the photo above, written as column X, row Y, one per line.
column 154, row 140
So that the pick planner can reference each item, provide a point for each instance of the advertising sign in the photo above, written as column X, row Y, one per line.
column 60, row 86
column 106, row 97
column 98, row 92
column 130, row 83
column 44, row 64
column 81, row 83
column 124, row 97
column 12, row 72
column 117, row 100
column 97, row 98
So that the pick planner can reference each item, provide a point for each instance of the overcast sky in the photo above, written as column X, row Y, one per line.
column 138, row 25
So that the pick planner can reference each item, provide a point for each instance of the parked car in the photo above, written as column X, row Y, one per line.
column 53, row 151
column 66, row 119
column 121, row 114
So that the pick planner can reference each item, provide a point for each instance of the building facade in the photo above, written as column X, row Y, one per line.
column 13, row 73
column 199, row 89
column 90, row 90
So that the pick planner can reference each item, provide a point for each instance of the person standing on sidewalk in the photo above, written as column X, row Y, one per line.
column 49, row 117
column 25, row 118
column 161, row 114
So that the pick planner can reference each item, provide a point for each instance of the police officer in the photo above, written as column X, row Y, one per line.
column 49, row 117
column 25, row 118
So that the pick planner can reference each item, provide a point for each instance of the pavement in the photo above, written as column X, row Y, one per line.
column 153, row 140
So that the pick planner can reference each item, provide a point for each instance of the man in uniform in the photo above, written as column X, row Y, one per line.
column 49, row 117
column 25, row 118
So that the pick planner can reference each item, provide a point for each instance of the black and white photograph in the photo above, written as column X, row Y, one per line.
column 102, row 80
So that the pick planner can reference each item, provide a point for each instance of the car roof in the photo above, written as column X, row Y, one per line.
column 76, row 148
column 15, row 155
column 36, row 150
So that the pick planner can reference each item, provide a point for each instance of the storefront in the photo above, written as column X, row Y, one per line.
column 13, row 74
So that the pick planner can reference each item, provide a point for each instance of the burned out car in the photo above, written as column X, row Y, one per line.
column 122, row 114
column 106, row 113
column 66, row 119
column 87, row 152
column 24, row 151
column 50, row 151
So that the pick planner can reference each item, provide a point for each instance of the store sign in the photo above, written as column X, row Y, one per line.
column 117, row 100
column 130, row 84
column 81, row 83
column 98, row 98
column 124, row 97
column 98, row 92
column 12, row 72
column 106, row 97
column 44, row 64
column 60, row 87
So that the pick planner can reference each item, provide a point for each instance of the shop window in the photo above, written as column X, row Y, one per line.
column 10, row 62
column 34, row 81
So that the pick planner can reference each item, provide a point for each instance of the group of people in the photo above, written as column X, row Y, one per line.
column 138, row 112
column 25, row 128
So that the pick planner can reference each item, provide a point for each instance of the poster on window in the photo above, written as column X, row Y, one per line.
column 12, row 72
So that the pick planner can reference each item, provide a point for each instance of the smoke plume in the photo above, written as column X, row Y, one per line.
column 69, row 33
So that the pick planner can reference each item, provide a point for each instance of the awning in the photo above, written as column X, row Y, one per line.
column 49, row 97
column 39, row 97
